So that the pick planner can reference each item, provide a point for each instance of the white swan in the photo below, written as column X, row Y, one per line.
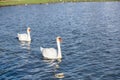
column 51, row 53
column 25, row 36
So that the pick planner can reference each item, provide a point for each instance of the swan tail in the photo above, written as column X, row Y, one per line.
column 18, row 34
column 41, row 48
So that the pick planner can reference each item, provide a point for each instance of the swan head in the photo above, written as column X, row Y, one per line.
column 59, row 39
column 28, row 29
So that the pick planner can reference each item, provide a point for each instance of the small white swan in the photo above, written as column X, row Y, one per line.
column 51, row 53
column 25, row 36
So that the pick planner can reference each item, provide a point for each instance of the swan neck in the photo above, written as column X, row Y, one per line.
column 28, row 32
column 29, row 38
column 59, row 50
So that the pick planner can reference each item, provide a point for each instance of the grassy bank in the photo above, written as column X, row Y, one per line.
column 21, row 2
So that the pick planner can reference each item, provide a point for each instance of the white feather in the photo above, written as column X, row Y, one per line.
column 51, row 53
column 25, row 36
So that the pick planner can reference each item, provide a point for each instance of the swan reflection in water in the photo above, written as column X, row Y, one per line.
column 55, row 66
column 25, row 44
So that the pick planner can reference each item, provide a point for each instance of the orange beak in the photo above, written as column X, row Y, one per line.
column 29, row 30
column 60, row 39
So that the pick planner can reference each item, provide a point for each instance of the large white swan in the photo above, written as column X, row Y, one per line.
column 25, row 36
column 51, row 53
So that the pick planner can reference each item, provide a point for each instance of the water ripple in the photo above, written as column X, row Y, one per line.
column 90, row 47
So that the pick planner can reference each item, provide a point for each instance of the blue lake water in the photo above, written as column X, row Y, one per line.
column 90, row 48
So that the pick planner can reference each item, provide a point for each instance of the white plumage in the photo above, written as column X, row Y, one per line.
column 51, row 53
column 25, row 36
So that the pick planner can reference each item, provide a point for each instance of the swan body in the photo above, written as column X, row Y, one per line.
column 51, row 53
column 25, row 36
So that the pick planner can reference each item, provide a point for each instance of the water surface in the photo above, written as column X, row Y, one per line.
column 90, row 47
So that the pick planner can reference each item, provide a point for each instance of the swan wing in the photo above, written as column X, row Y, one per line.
column 22, row 37
column 49, row 53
